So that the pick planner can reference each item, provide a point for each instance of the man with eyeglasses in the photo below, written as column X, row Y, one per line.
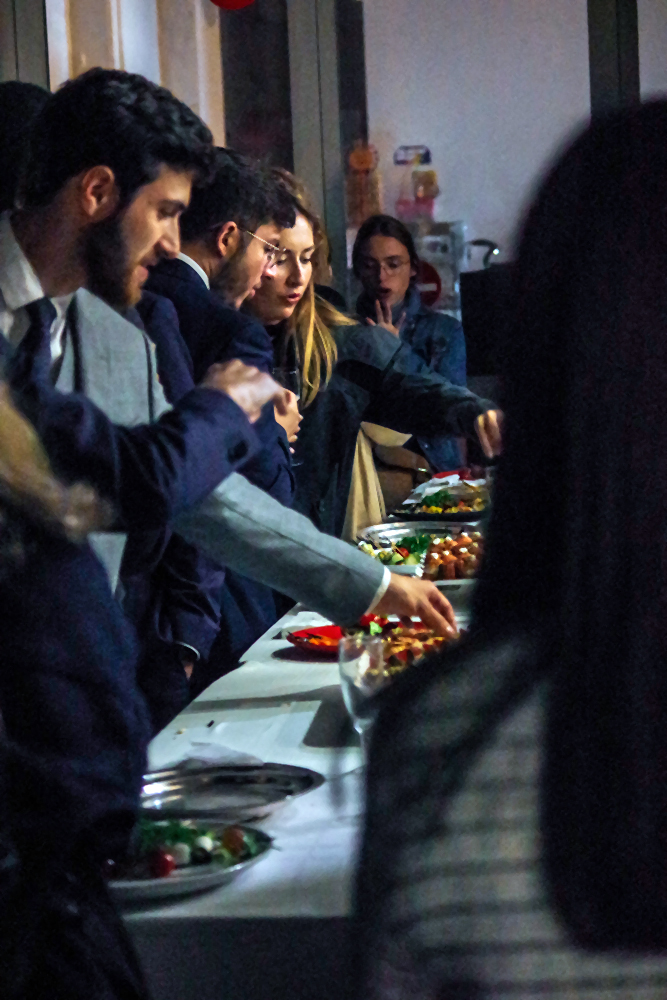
column 228, row 241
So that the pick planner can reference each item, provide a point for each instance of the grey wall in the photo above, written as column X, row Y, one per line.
column 493, row 87
column 23, row 53
column 652, row 16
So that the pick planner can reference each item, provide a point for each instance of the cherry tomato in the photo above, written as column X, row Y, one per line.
column 233, row 840
column 403, row 552
column 161, row 863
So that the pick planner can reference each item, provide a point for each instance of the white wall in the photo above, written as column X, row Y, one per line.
column 173, row 42
column 652, row 16
column 493, row 87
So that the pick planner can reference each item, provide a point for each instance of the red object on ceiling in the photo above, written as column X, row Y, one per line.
column 232, row 4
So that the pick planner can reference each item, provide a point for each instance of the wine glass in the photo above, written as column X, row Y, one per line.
column 362, row 674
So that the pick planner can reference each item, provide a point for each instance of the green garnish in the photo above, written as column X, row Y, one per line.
column 375, row 628
column 415, row 544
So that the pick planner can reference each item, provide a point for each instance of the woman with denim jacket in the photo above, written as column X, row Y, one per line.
column 385, row 260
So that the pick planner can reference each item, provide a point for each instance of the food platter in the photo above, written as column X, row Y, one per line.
column 448, row 494
column 226, row 793
column 188, row 880
column 394, row 532
column 406, row 513
column 406, row 643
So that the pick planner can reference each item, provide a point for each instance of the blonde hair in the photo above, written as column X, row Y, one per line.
column 27, row 482
column 311, row 322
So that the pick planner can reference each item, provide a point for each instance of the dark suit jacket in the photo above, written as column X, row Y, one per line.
column 69, row 702
column 172, row 592
column 214, row 332
column 72, row 762
column 152, row 472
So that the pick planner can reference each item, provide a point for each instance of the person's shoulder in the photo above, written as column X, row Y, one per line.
column 438, row 323
column 173, row 269
column 153, row 307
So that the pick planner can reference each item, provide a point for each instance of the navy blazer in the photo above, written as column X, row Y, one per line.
column 172, row 592
column 214, row 333
column 76, row 723
column 157, row 316
column 151, row 472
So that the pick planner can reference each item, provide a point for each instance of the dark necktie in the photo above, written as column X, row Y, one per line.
column 31, row 361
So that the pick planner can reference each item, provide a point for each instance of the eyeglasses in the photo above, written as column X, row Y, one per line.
column 371, row 266
column 273, row 252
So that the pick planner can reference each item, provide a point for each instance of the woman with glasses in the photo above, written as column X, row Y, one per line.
column 348, row 374
column 385, row 261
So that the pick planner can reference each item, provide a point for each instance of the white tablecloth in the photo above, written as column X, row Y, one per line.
column 295, row 901
column 280, row 929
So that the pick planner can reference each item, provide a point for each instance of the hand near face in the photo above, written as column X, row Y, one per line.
column 292, row 418
column 250, row 388
column 407, row 597
column 489, row 427
column 384, row 318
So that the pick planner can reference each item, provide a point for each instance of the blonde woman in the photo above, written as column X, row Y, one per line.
column 348, row 374
column 72, row 749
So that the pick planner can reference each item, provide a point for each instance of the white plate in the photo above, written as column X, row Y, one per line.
column 184, row 881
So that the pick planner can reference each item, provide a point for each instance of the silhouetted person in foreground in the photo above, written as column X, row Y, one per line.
column 516, row 833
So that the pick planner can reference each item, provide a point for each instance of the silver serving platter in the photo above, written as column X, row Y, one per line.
column 231, row 793
column 184, row 881
column 394, row 531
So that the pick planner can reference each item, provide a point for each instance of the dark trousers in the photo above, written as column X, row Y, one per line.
column 61, row 938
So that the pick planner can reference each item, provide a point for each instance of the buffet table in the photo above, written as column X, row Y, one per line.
column 280, row 929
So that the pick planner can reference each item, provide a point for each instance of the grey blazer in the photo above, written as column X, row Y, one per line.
column 112, row 362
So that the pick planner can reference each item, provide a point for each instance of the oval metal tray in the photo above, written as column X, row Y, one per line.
column 393, row 531
column 229, row 793
column 466, row 515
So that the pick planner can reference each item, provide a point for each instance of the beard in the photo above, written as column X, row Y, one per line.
column 231, row 281
column 106, row 262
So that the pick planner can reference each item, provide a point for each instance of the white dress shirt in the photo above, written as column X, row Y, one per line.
column 195, row 267
column 19, row 286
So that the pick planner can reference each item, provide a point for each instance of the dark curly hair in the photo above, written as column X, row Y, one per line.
column 116, row 119
column 239, row 191
column 19, row 104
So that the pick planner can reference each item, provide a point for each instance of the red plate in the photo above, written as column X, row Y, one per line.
column 322, row 641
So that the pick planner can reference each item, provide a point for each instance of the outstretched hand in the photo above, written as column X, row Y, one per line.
column 407, row 597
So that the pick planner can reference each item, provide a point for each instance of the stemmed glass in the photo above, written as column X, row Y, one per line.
column 362, row 674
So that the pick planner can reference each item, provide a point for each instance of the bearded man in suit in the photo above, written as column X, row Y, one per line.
column 112, row 162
